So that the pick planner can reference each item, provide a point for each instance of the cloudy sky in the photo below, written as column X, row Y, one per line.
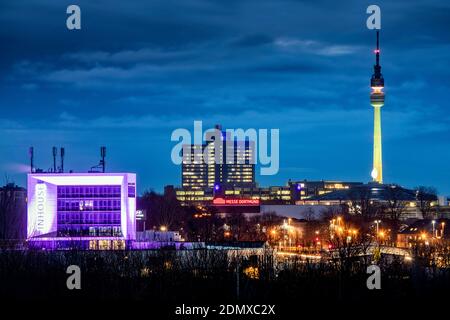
column 140, row 69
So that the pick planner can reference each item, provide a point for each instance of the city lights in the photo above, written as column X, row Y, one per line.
column 291, row 201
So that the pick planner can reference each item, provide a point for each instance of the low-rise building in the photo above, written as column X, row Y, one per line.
column 409, row 204
column 159, row 236
column 13, row 212
column 424, row 232
column 84, row 210
column 290, row 193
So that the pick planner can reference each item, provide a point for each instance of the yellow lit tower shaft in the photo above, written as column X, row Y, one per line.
column 377, row 101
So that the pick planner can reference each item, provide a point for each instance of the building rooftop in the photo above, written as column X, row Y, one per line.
column 370, row 191
column 426, row 225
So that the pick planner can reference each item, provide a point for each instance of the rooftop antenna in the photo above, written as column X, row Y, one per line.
column 377, row 78
column 55, row 153
column 103, row 155
column 102, row 164
column 62, row 153
column 31, row 154
column 378, row 48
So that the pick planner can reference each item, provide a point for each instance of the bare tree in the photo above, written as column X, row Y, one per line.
column 203, row 223
column 309, row 214
column 395, row 203
column 425, row 197
column 363, row 205
column 347, row 248
column 238, row 224
column 162, row 210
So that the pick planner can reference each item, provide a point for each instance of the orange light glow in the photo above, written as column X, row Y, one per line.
column 377, row 89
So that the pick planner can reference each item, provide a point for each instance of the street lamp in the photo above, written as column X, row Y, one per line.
column 433, row 223
column 377, row 222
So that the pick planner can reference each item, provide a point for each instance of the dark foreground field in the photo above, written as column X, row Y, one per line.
column 169, row 278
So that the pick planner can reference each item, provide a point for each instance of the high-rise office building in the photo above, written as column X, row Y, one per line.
column 197, row 174
column 237, row 167
column 216, row 165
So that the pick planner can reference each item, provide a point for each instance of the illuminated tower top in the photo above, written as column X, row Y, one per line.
column 377, row 80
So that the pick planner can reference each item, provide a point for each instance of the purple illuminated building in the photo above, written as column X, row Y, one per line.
column 85, row 210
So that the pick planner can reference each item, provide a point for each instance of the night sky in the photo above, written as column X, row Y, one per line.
column 140, row 69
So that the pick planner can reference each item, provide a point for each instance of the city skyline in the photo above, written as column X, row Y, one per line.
column 133, row 75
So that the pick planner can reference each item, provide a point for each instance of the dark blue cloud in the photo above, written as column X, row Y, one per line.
column 139, row 69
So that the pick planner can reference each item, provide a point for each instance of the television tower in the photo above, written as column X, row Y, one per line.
column 377, row 101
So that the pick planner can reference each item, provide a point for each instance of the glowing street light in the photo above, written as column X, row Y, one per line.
column 377, row 222
column 434, row 223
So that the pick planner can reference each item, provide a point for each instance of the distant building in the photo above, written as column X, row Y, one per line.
column 236, row 168
column 159, row 236
column 196, row 174
column 318, row 188
column 371, row 194
column 443, row 201
column 298, row 212
column 424, row 232
column 282, row 195
column 13, row 212
column 370, row 191
column 13, row 192
column 193, row 197
column 274, row 194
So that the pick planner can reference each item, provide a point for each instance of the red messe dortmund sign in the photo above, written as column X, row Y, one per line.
column 235, row 202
